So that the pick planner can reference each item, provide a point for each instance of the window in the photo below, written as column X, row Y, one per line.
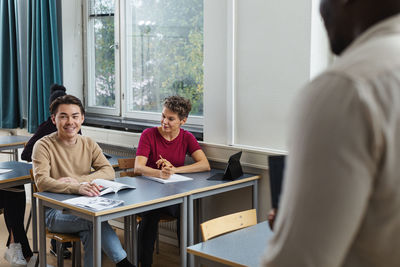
column 140, row 51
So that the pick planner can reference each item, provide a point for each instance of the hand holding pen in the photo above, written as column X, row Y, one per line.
column 161, row 163
column 167, row 169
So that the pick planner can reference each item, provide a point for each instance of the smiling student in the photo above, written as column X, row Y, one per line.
column 161, row 152
column 62, row 161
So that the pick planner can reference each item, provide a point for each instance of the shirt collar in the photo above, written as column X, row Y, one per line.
column 387, row 26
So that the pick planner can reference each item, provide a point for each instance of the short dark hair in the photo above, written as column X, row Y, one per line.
column 68, row 100
column 179, row 105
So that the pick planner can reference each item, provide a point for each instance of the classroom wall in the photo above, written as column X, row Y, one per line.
column 72, row 47
column 257, row 56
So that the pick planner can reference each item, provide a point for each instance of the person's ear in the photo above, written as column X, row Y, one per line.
column 83, row 118
column 53, row 119
column 183, row 121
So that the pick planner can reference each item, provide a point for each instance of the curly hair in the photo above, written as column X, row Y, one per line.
column 179, row 105
column 66, row 99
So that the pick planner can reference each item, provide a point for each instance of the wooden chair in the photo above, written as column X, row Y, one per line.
column 126, row 165
column 228, row 223
column 61, row 239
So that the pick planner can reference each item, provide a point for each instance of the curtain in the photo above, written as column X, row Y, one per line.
column 44, row 59
column 10, row 115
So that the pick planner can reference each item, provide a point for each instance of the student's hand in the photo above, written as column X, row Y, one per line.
column 161, row 163
column 271, row 218
column 68, row 180
column 166, row 172
column 89, row 189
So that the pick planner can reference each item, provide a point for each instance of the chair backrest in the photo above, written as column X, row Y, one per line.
column 228, row 223
column 33, row 181
column 125, row 165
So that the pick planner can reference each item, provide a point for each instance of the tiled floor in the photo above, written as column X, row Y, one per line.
column 168, row 257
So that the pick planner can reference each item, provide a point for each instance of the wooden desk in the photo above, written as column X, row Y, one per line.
column 20, row 175
column 148, row 195
column 13, row 142
column 243, row 247
column 200, row 187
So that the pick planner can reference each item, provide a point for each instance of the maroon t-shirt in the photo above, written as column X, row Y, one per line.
column 152, row 145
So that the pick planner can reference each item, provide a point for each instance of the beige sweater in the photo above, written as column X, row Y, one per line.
column 53, row 159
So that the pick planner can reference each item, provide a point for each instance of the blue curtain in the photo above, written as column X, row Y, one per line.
column 44, row 59
column 10, row 115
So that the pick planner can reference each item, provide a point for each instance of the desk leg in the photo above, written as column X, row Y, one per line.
column 42, row 235
column 184, row 221
column 96, row 242
column 190, row 227
column 34, row 220
column 15, row 154
column 255, row 195
column 127, row 236
column 134, row 244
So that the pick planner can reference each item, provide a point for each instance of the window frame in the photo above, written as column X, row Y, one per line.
column 120, row 112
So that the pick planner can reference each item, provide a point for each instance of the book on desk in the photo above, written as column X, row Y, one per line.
column 108, row 186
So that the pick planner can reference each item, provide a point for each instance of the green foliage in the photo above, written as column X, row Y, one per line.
column 167, row 54
column 104, row 61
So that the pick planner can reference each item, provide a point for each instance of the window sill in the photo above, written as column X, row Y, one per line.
column 132, row 125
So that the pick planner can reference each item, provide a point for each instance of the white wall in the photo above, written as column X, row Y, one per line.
column 321, row 56
column 257, row 55
column 273, row 59
column 72, row 47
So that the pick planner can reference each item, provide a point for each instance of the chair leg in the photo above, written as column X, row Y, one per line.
column 37, row 261
column 73, row 258
column 158, row 242
column 28, row 222
column 77, row 246
column 60, row 258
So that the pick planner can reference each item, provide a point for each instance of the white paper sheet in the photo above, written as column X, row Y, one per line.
column 174, row 178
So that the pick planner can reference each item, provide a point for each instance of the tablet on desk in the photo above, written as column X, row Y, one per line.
column 232, row 171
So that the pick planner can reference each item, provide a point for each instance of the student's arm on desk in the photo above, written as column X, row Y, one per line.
column 167, row 169
column 142, row 169
column 103, row 168
column 201, row 163
column 41, row 173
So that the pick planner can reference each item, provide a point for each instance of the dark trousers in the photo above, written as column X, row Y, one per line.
column 148, row 231
column 13, row 204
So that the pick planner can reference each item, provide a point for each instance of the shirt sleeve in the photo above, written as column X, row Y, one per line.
column 41, row 171
column 144, row 146
column 193, row 145
column 329, row 175
column 100, row 164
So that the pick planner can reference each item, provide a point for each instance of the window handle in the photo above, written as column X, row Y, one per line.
column 116, row 46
